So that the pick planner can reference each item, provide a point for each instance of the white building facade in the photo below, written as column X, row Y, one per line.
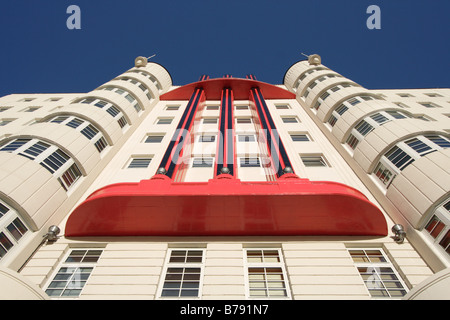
column 227, row 188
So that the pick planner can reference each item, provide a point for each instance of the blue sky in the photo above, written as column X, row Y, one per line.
column 40, row 54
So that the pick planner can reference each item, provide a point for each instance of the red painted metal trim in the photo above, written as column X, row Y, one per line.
column 225, row 206
column 269, row 129
column 241, row 87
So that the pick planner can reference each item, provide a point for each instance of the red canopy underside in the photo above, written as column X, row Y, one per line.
column 226, row 207
column 241, row 89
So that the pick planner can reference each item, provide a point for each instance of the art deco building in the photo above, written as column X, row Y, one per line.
column 226, row 188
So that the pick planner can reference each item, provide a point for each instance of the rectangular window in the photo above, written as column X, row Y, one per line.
column 313, row 161
column 364, row 127
column 429, row 105
column 378, row 117
column 384, row 174
column 439, row 228
column 5, row 244
column 70, row 176
column 266, row 275
column 249, row 162
column 419, row 146
column 90, row 131
column 399, row 157
column 16, row 144
column 243, row 120
column 172, row 108
column 154, row 139
column 73, row 275
column 17, row 229
column 183, row 273
column 282, row 107
column 300, row 137
column 352, row 141
column 164, row 121
column 440, row 141
column 139, row 163
column 332, row 120
column 4, row 122
column 246, row 138
column 289, row 120
column 207, row 138
column 379, row 275
column 202, row 163
column 101, row 144
column 241, row 107
column 209, row 120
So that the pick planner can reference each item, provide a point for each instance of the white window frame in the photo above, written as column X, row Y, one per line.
column 279, row 264
column 6, row 219
column 149, row 157
column 373, row 266
column 211, row 159
column 320, row 157
column 64, row 264
column 168, row 264
column 250, row 164
column 443, row 215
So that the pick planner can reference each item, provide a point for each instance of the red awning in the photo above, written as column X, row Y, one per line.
column 241, row 89
column 226, row 207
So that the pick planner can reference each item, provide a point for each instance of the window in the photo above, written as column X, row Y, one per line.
column 241, row 107
column 164, row 121
column 212, row 107
column 248, row 162
column 139, row 163
column 289, row 119
column 314, row 161
column 207, row 138
column 183, row 274
column 440, row 141
column 246, row 138
column 209, row 120
column 154, row 138
column 73, row 274
column 432, row 95
column 172, row 108
column 4, row 122
column 4, row 108
column 384, row 174
column 265, row 274
column 12, row 229
column 202, row 162
column 243, row 120
column 438, row 227
column 378, row 273
column 429, row 105
column 405, row 95
column 31, row 109
column 300, row 137
column 282, row 107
